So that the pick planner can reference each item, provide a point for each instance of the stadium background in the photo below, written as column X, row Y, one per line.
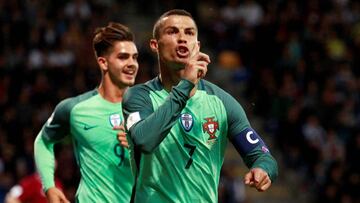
column 293, row 65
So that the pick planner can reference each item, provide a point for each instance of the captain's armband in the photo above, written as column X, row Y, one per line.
column 247, row 140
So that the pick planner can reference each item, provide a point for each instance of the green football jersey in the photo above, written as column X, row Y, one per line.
column 178, row 143
column 104, row 164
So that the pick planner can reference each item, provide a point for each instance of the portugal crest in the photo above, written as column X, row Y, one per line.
column 187, row 121
column 115, row 120
column 210, row 126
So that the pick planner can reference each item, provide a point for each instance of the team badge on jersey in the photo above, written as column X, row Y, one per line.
column 187, row 121
column 210, row 126
column 115, row 120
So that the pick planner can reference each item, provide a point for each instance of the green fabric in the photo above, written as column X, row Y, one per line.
column 189, row 140
column 149, row 140
column 44, row 155
column 258, row 159
column 104, row 164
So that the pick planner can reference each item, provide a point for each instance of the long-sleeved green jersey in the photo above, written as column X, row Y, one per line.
column 178, row 143
column 104, row 164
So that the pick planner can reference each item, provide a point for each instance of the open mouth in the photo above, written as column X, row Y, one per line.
column 182, row 51
column 129, row 73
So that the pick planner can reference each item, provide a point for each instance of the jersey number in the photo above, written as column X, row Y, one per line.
column 191, row 152
column 119, row 152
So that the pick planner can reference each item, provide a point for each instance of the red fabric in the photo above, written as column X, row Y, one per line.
column 32, row 189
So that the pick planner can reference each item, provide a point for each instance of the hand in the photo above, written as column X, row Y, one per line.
column 258, row 179
column 54, row 195
column 121, row 135
column 196, row 67
column 11, row 199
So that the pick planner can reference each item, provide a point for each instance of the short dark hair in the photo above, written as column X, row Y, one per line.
column 106, row 36
column 179, row 12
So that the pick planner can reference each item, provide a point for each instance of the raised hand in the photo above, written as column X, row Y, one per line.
column 196, row 67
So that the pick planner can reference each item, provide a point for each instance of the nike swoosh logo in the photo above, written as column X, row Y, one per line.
column 88, row 127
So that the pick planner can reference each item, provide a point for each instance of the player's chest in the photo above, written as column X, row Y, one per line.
column 95, row 127
column 203, row 121
column 205, row 126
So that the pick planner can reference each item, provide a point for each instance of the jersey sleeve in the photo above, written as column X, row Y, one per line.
column 56, row 128
column 147, row 128
column 247, row 142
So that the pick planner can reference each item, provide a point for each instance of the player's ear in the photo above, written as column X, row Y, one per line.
column 199, row 44
column 102, row 63
column 154, row 45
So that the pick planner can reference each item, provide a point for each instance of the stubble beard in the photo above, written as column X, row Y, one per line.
column 176, row 63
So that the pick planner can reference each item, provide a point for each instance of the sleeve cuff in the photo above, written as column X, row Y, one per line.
column 185, row 87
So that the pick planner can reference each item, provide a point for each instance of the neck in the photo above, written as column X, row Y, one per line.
column 170, row 77
column 111, row 92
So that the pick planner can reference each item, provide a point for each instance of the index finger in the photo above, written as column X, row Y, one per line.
column 204, row 57
column 195, row 51
column 198, row 55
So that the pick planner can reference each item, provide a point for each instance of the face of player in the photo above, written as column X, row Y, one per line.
column 122, row 64
column 177, row 40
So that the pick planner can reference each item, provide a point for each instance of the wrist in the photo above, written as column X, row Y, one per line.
column 185, row 87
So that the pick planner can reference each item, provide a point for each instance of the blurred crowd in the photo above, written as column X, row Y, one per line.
column 295, row 64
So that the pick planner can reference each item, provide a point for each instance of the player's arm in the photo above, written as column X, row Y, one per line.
column 56, row 128
column 146, row 127
column 253, row 150
column 257, row 157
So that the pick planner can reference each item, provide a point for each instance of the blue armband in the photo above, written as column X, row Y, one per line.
column 247, row 140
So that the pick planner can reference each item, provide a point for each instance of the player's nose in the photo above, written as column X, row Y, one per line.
column 182, row 37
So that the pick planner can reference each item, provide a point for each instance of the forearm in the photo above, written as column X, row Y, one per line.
column 149, row 132
column 258, row 159
column 254, row 152
column 45, row 161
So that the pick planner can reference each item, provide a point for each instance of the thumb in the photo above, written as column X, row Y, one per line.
column 248, row 177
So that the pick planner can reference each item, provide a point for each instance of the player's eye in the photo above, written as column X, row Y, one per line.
column 190, row 32
column 123, row 56
column 135, row 57
column 171, row 31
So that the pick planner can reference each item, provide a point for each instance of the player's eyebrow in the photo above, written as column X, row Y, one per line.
column 123, row 53
column 127, row 54
column 176, row 27
column 192, row 29
column 170, row 27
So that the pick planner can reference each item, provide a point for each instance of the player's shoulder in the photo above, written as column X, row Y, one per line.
column 211, row 88
column 68, row 103
column 136, row 88
column 145, row 88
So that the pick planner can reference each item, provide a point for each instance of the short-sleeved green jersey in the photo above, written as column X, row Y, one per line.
column 104, row 164
column 178, row 143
